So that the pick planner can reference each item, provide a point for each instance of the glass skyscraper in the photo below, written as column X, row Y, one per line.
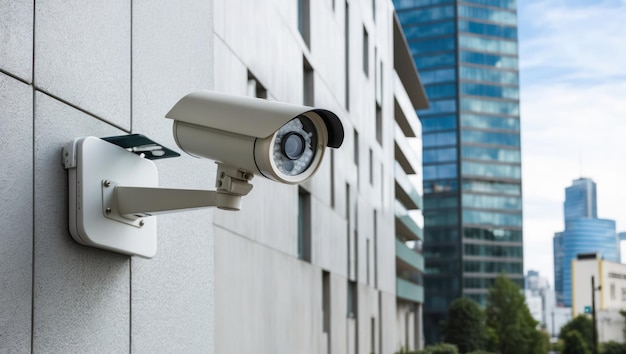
column 584, row 233
column 466, row 53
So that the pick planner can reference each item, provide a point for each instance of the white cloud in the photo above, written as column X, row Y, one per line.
column 573, row 109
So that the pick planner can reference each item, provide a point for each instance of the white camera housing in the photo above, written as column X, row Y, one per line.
column 279, row 141
column 114, row 194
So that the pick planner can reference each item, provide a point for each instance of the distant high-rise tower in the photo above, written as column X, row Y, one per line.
column 466, row 53
column 584, row 233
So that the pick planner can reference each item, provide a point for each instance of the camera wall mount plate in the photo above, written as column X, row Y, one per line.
column 94, row 168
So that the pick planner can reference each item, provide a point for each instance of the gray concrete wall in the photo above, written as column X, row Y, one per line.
column 267, row 300
column 78, row 68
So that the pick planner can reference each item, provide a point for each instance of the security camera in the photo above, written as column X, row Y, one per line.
column 279, row 141
column 113, row 184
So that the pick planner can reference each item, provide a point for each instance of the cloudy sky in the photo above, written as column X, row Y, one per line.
column 573, row 106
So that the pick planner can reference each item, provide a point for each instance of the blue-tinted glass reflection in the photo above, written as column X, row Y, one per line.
column 488, row 29
column 432, row 61
column 487, row 14
column 490, row 170
column 493, row 60
column 489, row 122
column 475, row 136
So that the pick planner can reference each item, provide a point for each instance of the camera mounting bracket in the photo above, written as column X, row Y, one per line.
column 114, row 195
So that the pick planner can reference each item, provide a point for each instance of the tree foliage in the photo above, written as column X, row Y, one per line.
column 574, row 343
column 441, row 348
column 465, row 326
column 583, row 325
column 511, row 327
column 613, row 347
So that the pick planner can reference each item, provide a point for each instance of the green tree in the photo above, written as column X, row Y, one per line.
column 613, row 348
column 574, row 343
column 583, row 325
column 511, row 327
column 542, row 342
column 441, row 348
column 465, row 326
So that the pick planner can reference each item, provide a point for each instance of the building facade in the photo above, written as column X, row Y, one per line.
column 330, row 266
column 584, row 233
column 610, row 295
column 466, row 53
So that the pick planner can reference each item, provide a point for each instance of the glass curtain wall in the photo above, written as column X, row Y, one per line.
column 466, row 54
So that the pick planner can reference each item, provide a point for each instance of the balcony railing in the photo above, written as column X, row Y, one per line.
column 409, row 256
column 405, row 225
column 409, row 291
column 407, row 193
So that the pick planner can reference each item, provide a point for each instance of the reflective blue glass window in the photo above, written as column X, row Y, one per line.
column 422, row 31
column 426, row 15
column 491, row 218
column 439, row 139
column 474, row 136
column 488, row 44
column 482, row 13
column 491, row 202
column 441, row 218
column 431, row 61
column 490, row 154
column 441, row 203
column 439, row 155
column 488, row 29
column 403, row 4
column 488, row 90
column 492, row 187
column 442, row 171
column 440, row 106
column 492, row 267
column 432, row 124
column 440, row 186
column 440, row 91
column 490, row 170
column 494, row 60
column 488, row 75
column 432, row 45
column 488, row 122
column 441, row 75
column 487, row 106
column 507, row 4
column 493, row 234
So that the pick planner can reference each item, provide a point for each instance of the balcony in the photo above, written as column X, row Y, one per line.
column 406, row 227
column 405, row 190
column 409, row 257
column 409, row 291
column 405, row 154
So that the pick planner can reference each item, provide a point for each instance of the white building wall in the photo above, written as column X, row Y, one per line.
column 535, row 305
column 102, row 68
column 610, row 278
column 259, row 278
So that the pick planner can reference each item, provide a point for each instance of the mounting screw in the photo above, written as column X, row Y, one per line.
column 107, row 210
column 141, row 223
column 106, row 183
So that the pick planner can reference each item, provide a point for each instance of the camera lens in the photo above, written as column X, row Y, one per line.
column 295, row 146
column 292, row 145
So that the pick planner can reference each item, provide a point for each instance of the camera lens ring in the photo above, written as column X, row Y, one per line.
column 292, row 145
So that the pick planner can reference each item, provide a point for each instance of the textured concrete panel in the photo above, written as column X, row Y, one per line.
column 172, row 294
column 16, row 36
column 81, row 295
column 83, row 55
column 16, row 216
column 265, row 301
